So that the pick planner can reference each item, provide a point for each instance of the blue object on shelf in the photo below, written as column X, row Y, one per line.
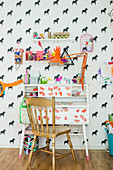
column 110, row 141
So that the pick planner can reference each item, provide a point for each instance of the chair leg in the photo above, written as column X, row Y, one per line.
column 32, row 148
column 53, row 153
column 71, row 147
column 22, row 139
column 48, row 144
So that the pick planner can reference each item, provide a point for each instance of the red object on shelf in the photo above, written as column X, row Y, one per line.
column 65, row 109
column 56, row 87
column 56, row 110
column 76, row 116
column 41, row 88
column 38, row 117
column 77, row 110
column 49, row 88
column 31, row 94
column 57, row 117
column 45, row 117
column 67, row 88
column 85, row 120
column 77, row 120
column 65, row 118
column 83, row 111
column 60, row 93
column 110, row 62
column 35, row 89
column 56, row 93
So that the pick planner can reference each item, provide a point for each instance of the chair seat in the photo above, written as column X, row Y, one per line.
column 59, row 130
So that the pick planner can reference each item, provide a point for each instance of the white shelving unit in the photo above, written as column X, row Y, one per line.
column 70, row 96
column 71, row 104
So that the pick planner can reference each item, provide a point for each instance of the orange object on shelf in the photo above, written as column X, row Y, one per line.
column 76, row 116
column 57, row 117
column 67, row 88
column 65, row 109
column 56, row 61
column 69, row 94
column 76, row 120
column 112, row 70
column 41, row 88
column 50, row 94
column 82, row 117
column 56, row 87
column 56, row 93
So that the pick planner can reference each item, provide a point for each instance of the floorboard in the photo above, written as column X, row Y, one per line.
column 99, row 160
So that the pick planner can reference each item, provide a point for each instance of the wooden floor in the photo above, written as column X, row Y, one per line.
column 99, row 160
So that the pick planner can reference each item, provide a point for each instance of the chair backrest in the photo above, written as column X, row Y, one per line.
column 35, row 105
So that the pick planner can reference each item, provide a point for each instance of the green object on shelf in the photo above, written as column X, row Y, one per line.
column 43, row 81
column 111, row 117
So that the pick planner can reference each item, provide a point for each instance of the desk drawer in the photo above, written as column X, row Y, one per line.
column 54, row 90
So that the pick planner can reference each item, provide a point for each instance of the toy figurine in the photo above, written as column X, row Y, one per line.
column 43, row 80
column 58, row 78
column 41, row 36
column 35, row 35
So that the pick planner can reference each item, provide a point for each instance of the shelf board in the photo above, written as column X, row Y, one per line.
column 31, row 91
column 80, row 96
column 52, row 39
column 31, row 96
column 53, row 84
column 71, row 105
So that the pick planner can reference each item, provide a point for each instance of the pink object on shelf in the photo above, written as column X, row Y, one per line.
column 26, row 78
column 39, row 55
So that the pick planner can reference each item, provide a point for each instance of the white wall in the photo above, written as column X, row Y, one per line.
column 75, row 29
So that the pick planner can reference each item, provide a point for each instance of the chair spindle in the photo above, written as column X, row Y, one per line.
column 47, row 120
column 33, row 121
column 37, row 124
column 40, row 110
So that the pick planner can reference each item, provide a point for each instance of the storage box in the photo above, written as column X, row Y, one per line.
column 34, row 76
column 33, row 80
column 28, row 140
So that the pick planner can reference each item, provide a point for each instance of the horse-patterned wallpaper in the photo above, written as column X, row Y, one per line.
column 18, row 21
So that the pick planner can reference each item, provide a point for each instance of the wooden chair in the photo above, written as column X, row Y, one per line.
column 48, row 131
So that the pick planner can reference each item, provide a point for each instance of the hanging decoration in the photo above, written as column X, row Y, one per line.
column 86, row 43
column 4, row 85
column 18, row 54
